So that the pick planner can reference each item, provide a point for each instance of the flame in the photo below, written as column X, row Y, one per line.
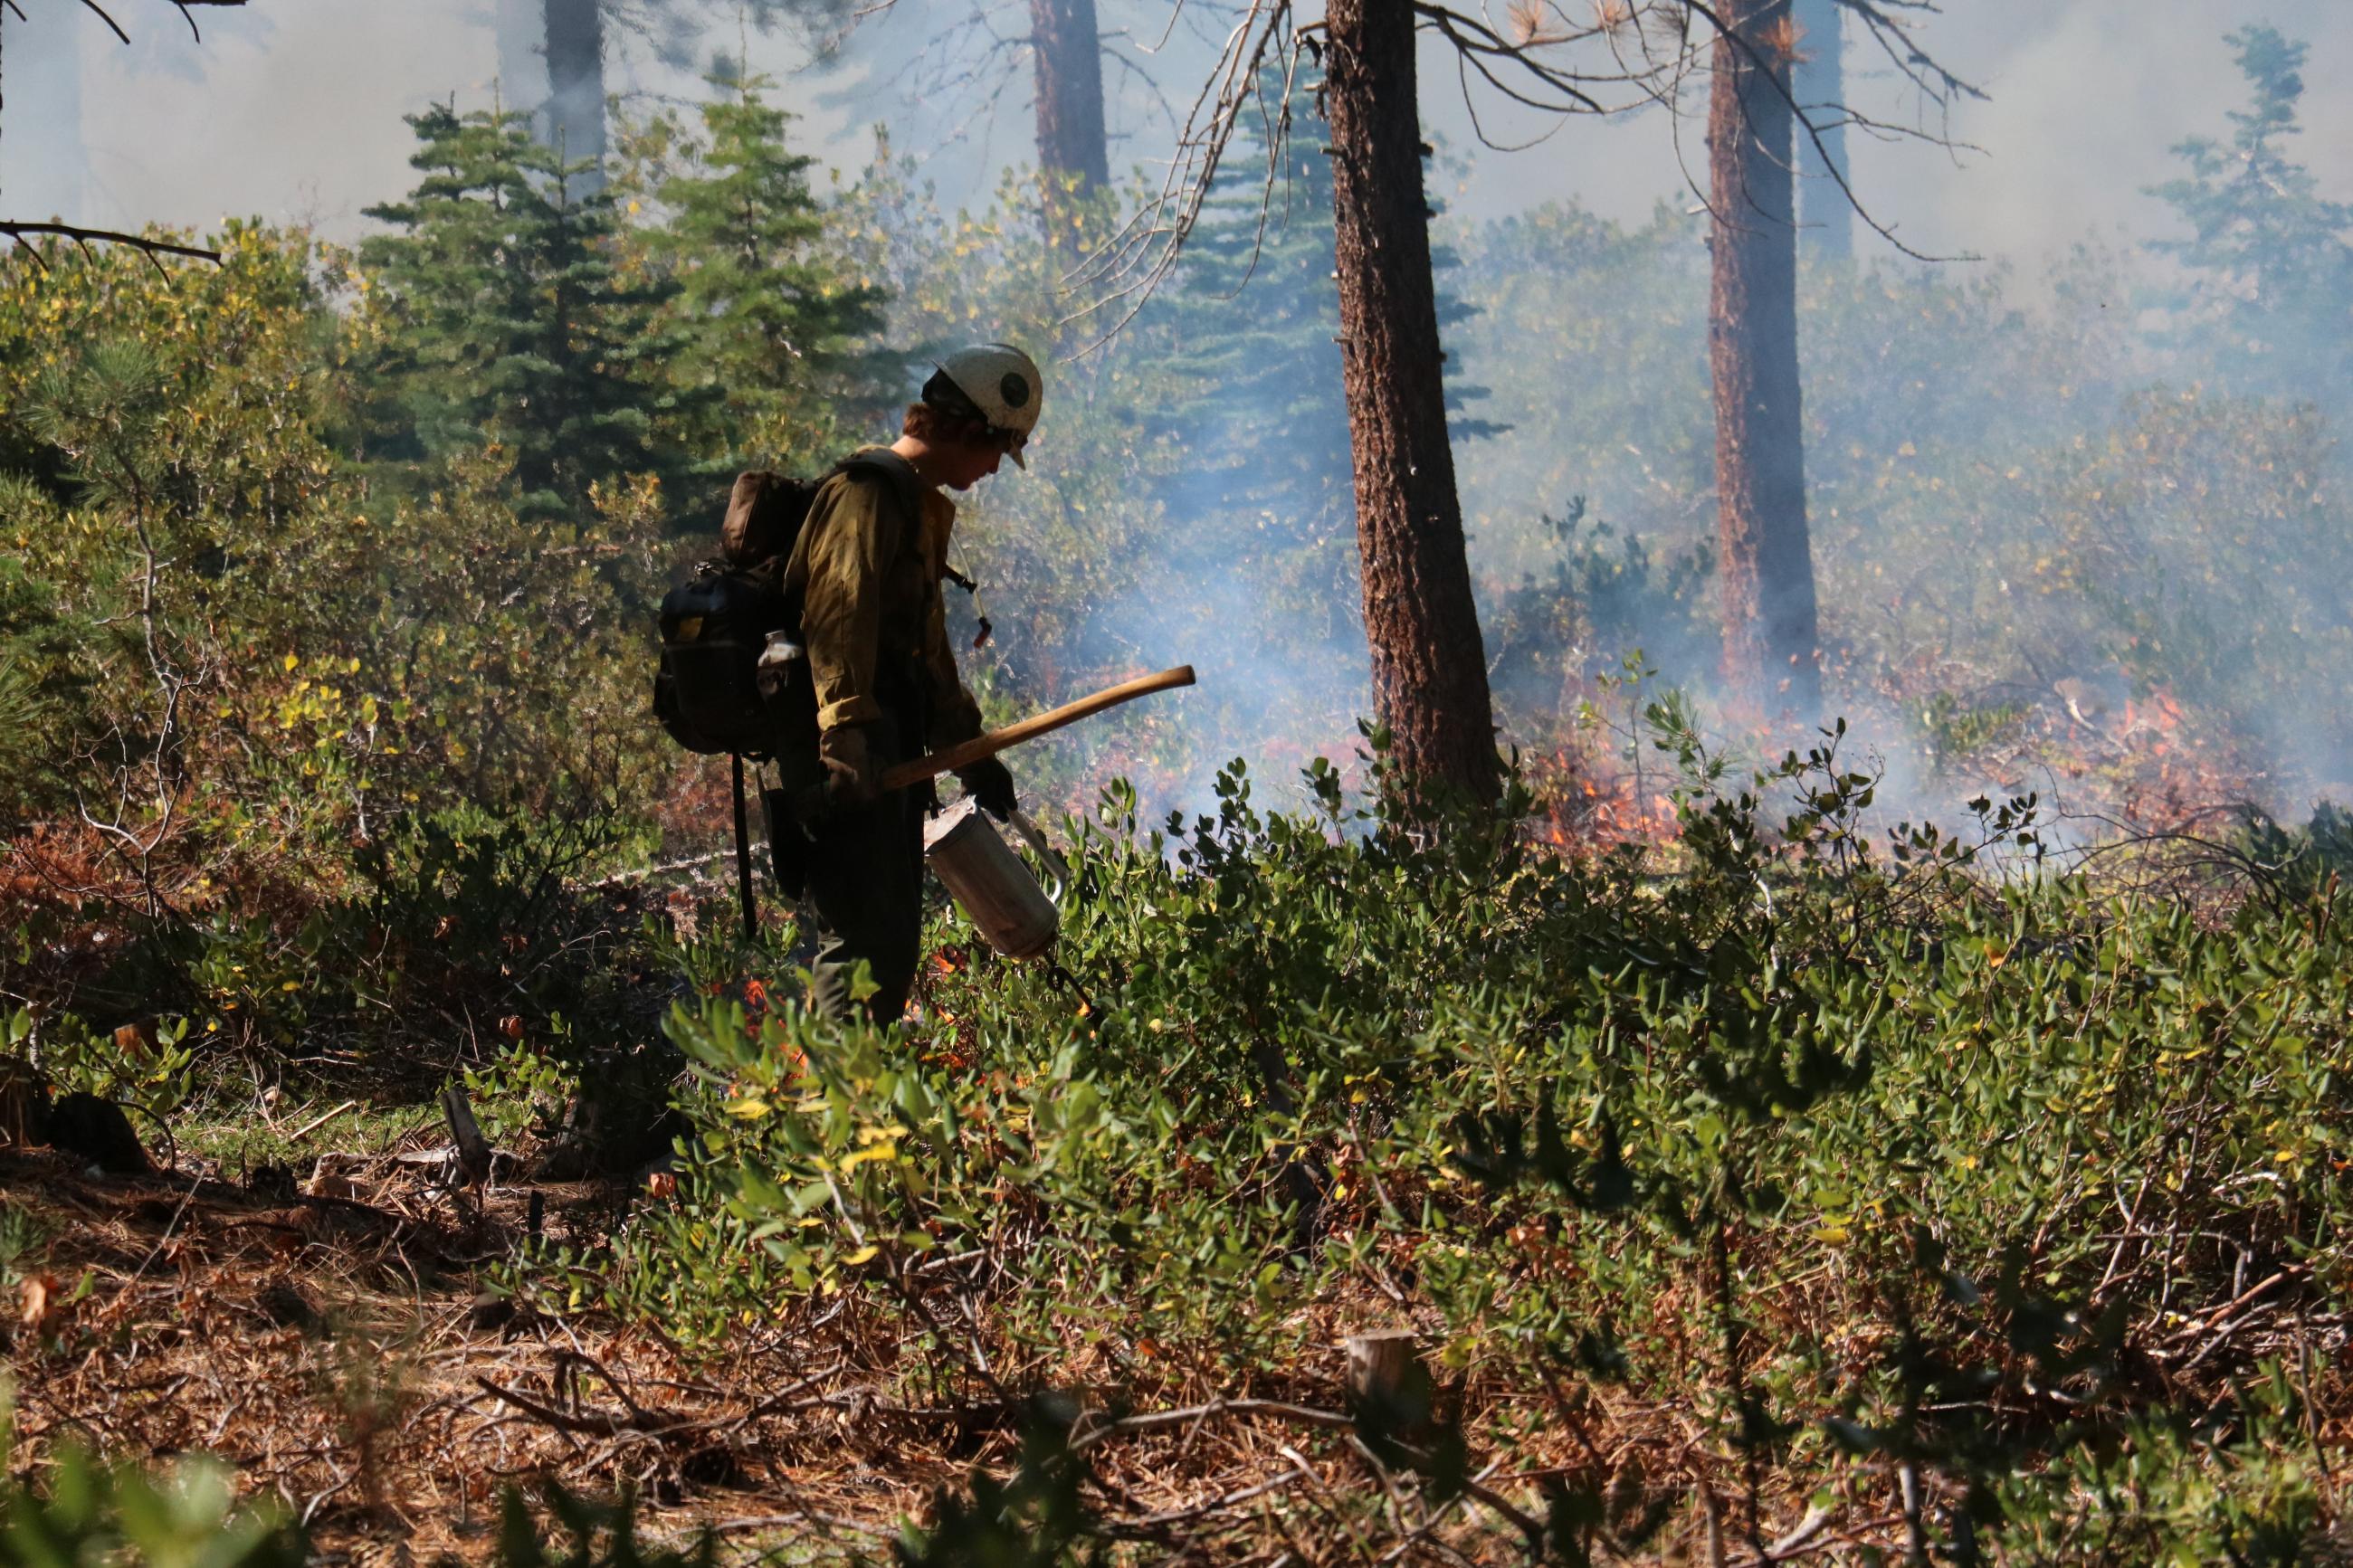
column 1592, row 803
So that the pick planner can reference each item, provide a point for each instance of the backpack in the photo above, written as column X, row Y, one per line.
column 715, row 624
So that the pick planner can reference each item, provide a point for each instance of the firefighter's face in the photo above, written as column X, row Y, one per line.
column 973, row 461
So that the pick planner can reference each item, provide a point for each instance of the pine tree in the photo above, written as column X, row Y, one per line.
column 2273, row 274
column 1253, row 328
column 506, row 320
column 1430, row 676
column 1771, row 621
column 1068, row 53
column 773, row 328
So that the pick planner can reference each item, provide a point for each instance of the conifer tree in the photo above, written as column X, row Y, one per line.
column 772, row 327
column 2272, row 273
column 1254, row 324
column 1771, row 621
column 1429, row 674
column 506, row 320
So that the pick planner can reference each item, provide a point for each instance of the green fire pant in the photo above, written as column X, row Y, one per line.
column 866, row 892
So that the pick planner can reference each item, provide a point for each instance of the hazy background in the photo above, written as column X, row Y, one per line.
column 289, row 110
column 1939, row 466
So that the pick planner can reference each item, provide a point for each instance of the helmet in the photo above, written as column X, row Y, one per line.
column 1001, row 384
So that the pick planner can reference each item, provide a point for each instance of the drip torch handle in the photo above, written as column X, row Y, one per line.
column 966, row 753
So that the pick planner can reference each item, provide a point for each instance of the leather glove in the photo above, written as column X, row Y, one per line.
column 990, row 782
column 852, row 778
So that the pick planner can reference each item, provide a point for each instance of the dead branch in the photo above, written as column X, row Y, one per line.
column 1648, row 54
column 592, row 1423
column 147, row 245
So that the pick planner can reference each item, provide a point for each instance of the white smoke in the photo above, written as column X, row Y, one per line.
column 291, row 111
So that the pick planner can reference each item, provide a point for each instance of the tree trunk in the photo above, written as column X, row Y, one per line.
column 1770, row 630
column 1069, row 91
column 1819, row 79
column 575, row 86
column 1430, row 671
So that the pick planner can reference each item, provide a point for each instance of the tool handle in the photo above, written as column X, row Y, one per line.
column 965, row 754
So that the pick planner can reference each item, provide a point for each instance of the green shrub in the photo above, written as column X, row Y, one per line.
column 1842, row 1085
column 182, row 1516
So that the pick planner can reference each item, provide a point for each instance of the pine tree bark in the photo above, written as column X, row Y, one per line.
column 575, row 86
column 1429, row 669
column 1766, row 564
column 1070, row 140
column 1819, row 79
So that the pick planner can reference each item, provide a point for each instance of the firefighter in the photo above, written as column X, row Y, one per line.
column 866, row 572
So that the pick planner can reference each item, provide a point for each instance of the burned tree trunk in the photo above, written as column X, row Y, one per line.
column 1430, row 671
column 1069, row 91
column 575, row 85
column 1819, row 77
column 1769, row 629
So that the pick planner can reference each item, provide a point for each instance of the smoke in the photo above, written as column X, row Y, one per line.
column 292, row 111
column 1925, row 392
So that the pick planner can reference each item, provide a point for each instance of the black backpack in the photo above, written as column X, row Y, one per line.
column 715, row 624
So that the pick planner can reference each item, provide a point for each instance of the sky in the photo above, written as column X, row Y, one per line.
column 289, row 110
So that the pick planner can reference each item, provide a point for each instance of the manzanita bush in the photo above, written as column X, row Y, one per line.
column 1871, row 1166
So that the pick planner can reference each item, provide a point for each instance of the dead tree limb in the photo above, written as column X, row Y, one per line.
column 22, row 234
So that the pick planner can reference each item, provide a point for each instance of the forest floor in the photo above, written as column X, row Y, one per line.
column 327, row 1329
column 323, row 1319
column 2050, row 1244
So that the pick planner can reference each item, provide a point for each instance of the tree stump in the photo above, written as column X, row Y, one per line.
column 1380, row 1366
column 473, row 1148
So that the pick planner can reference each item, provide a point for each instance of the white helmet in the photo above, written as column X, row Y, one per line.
column 1002, row 386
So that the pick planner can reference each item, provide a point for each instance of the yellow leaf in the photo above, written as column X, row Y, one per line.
column 863, row 1255
column 291, row 661
column 750, row 1107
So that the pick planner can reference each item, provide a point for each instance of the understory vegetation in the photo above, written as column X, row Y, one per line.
column 1758, row 1174
column 1820, row 1182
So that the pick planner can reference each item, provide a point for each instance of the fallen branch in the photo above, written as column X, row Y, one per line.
column 1153, row 1523
column 1274, row 1409
column 1297, row 1415
column 593, row 1423
column 644, row 873
column 318, row 1122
